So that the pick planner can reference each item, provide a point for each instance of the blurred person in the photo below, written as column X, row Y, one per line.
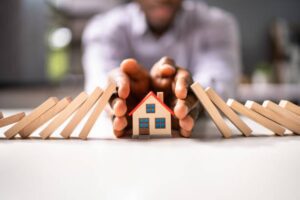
column 202, row 40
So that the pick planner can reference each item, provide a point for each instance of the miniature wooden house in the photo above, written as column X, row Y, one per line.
column 151, row 116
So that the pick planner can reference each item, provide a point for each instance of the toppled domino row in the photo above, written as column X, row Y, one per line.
column 276, row 118
column 59, row 112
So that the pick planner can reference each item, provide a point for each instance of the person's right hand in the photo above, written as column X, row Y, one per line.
column 133, row 84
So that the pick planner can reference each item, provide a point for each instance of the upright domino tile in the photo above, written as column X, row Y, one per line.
column 281, row 111
column 82, row 111
column 14, row 130
column 290, row 106
column 273, row 116
column 103, row 100
column 11, row 119
column 63, row 115
column 1, row 115
column 228, row 112
column 52, row 112
column 240, row 108
column 211, row 110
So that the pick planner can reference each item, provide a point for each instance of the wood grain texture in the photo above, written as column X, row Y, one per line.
column 292, row 117
column 63, row 115
column 228, row 112
column 103, row 100
column 240, row 108
column 11, row 119
column 273, row 116
column 290, row 106
column 82, row 111
column 48, row 115
column 14, row 130
column 211, row 110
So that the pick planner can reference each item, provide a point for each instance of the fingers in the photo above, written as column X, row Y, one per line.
column 162, row 74
column 165, row 67
column 186, row 102
column 183, row 80
column 185, row 133
column 133, row 69
column 138, row 77
column 187, row 124
column 130, row 78
column 119, row 107
column 119, row 134
column 117, row 102
column 187, row 112
column 183, row 107
column 122, row 81
column 119, row 125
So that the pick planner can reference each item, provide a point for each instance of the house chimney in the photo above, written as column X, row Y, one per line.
column 160, row 95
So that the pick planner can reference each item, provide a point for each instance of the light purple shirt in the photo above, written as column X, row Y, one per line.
column 203, row 39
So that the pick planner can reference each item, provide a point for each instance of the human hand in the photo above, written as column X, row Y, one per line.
column 133, row 83
column 175, row 82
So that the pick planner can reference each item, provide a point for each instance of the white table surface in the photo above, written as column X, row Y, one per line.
column 203, row 167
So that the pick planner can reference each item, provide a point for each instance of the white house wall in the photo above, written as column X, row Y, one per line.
column 160, row 112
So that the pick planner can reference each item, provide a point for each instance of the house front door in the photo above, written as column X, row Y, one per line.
column 144, row 126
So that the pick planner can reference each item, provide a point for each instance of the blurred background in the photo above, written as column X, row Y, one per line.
column 40, row 51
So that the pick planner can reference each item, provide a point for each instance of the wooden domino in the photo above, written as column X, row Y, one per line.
column 281, row 111
column 1, row 115
column 211, row 110
column 273, row 116
column 290, row 106
column 228, row 112
column 63, row 115
column 52, row 112
column 14, row 130
column 82, row 111
column 11, row 119
column 240, row 108
column 103, row 100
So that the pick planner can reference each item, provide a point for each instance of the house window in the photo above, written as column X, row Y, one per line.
column 150, row 108
column 160, row 123
column 144, row 123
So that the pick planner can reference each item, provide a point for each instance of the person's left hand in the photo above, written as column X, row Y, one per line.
column 175, row 82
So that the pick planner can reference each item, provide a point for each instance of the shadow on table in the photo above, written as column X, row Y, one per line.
column 204, row 133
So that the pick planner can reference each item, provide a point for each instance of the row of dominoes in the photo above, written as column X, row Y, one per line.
column 58, row 111
column 274, row 117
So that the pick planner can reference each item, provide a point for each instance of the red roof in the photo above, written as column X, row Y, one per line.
column 145, row 98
